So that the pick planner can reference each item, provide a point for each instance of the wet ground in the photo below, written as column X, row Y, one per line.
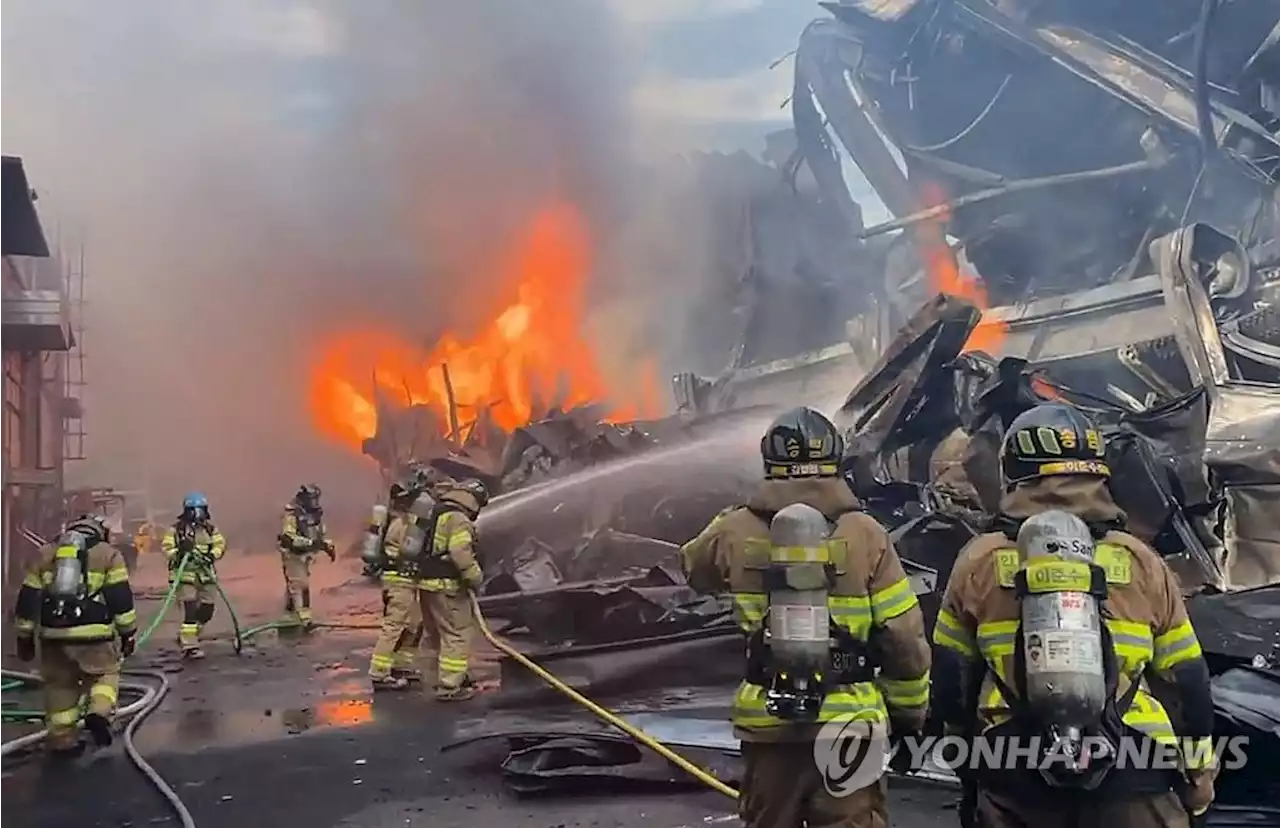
column 288, row 734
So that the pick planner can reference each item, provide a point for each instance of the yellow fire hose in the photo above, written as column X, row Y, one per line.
column 604, row 715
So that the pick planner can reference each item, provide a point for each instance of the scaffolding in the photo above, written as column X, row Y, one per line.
column 74, row 373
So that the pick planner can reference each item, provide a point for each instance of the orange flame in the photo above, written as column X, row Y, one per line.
column 945, row 276
column 530, row 353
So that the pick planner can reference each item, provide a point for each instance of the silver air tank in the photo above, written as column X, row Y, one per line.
column 68, row 572
column 1061, row 626
column 418, row 535
column 371, row 550
column 799, row 622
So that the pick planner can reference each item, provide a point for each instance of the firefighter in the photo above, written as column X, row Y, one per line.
column 1053, row 460
column 302, row 536
column 194, row 537
column 392, row 665
column 450, row 572
column 76, row 598
column 870, row 618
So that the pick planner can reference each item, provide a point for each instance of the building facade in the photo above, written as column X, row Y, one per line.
column 37, row 338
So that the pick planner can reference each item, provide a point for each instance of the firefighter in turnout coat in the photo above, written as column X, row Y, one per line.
column 1054, row 459
column 302, row 535
column 194, row 537
column 76, row 602
column 874, row 617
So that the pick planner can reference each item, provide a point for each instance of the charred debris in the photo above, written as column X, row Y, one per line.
column 1108, row 174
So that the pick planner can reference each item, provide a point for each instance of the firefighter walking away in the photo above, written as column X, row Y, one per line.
column 194, row 537
column 301, row 537
column 823, row 600
column 1050, row 628
column 76, row 600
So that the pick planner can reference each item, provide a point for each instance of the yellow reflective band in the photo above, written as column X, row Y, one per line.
column 856, row 702
column 84, row 632
column 996, row 639
column 1058, row 576
column 64, row 552
column 1132, row 643
column 801, row 470
column 459, row 538
column 1075, row 467
column 189, row 629
column 105, row 692
column 948, row 633
column 33, row 580
column 892, row 601
column 127, row 619
column 24, row 625
column 64, row 718
column 1197, row 754
column 1007, row 563
column 905, row 693
column 438, row 585
column 1175, row 647
column 1149, row 716
column 380, row 663
column 800, row 554
column 748, row 609
column 852, row 612
column 1117, row 562
column 117, row 575
column 453, row 665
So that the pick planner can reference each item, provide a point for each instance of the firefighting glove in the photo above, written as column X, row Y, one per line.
column 331, row 551
column 1197, row 796
column 128, row 644
column 26, row 648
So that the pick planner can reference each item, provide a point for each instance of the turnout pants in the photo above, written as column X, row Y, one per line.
column 1001, row 810
column 297, row 584
column 401, row 630
column 197, row 610
column 448, row 618
column 73, row 671
column 782, row 788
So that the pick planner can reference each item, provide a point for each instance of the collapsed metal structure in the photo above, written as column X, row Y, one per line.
column 1128, row 236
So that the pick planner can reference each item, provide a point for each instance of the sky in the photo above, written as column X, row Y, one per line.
column 245, row 171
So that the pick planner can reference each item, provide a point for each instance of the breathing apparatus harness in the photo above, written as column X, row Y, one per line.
column 1065, row 670
column 799, row 654
column 68, row 601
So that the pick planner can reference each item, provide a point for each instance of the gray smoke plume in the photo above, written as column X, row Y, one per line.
column 250, row 175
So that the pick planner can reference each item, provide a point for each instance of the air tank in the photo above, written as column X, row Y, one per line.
column 68, row 572
column 1061, row 627
column 371, row 550
column 423, row 525
column 799, row 622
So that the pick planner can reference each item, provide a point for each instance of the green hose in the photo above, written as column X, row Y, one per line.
column 235, row 622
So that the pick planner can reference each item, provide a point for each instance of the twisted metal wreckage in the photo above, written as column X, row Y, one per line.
column 1112, row 172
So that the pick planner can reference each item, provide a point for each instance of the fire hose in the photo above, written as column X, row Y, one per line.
column 605, row 715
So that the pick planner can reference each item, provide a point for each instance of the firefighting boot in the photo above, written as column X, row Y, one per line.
column 462, row 692
column 392, row 682
column 409, row 674
column 99, row 728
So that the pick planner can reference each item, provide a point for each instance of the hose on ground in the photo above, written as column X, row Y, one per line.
column 605, row 715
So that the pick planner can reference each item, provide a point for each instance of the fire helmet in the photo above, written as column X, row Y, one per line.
column 802, row 443
column 476, row 489
column 308, row 495
column 1052, row 439
column 93, row 527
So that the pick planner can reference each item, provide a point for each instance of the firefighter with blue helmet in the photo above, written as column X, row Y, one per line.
column 193, row 537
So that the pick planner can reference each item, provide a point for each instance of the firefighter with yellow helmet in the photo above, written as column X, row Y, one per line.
column 1049, row 629
column 834, row 631
column 77, row 600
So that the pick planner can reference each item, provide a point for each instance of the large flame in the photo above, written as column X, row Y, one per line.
column 530, row 353
column 945, row 276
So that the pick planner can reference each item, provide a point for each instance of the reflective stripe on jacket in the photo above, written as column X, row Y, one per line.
column 209, row 543
column 106, row 610
column 871, row 598
column 1145, row 615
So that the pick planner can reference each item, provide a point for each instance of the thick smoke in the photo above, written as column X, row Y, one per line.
column 248, row 175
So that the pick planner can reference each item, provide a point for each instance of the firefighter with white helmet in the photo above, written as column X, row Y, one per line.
column 1049, row 629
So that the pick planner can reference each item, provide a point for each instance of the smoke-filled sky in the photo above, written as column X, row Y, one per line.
column 246, row 174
